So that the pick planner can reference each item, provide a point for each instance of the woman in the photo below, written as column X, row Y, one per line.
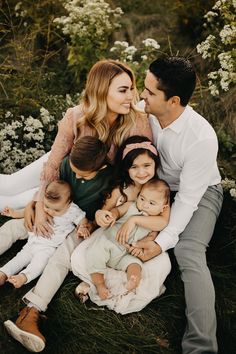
column 107, row 110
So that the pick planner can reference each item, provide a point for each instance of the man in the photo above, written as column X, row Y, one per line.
column 188, row 147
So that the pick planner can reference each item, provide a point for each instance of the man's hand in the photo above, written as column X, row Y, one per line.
column 104, row 218
column 125, row 230
column 145, row 250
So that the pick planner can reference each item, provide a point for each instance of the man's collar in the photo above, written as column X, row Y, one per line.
column 178, row 124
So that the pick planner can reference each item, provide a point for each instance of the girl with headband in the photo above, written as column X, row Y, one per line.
column 136, row 163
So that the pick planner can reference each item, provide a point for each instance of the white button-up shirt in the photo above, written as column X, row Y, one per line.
column 188, row 150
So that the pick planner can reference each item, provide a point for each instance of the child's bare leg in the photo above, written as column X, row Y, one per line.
column 133, row 276
column 99, row 282
column 3, row 278
column 17, row 280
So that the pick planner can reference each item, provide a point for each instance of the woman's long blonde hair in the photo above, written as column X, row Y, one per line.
column 94, row 102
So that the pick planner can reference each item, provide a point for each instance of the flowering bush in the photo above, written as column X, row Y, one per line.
column 230, row 186
column 219, row 46
column 138, row 58
column 89, row 24
column 25, row 139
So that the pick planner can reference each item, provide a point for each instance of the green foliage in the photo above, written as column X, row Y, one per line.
column 219, row 46
column 137, row 58
column 89, row 25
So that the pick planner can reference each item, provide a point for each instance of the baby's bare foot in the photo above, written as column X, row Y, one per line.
column 3, row 278
column 17, row 280
column 81, row 291
column 103, row 292
column 132, row 283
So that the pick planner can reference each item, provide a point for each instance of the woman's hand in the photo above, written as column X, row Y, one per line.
column 29, row 216
column 125, row 230
column 43, row 222
column 104, row 218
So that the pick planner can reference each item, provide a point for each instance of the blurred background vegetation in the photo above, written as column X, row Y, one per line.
column 43, row 66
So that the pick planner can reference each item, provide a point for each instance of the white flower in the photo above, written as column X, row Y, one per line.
column 228, row 183
column 226, row 61
column 88, row 19
column 228, row 34
column 149, row 42
column 144, row 57
column 131, row 50
column 203, row 48
column 233, row 192
column 210, row 16
column 8, row 114
column 122, row 44
column 45, row 116
column 213, row 89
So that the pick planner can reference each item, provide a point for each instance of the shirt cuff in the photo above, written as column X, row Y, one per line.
column 166, row 241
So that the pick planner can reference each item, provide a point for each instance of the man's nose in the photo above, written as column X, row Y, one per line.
column 143, row 94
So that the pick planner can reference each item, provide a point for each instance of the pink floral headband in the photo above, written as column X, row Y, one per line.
column 144, row 145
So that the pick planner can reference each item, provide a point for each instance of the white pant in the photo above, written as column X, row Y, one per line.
column 17, row 189
column 34, row 258
column 56, row 269
column 154, row 273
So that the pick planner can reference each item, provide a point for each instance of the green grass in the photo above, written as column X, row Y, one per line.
column 77, row 328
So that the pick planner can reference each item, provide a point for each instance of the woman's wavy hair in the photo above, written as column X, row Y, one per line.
column 94, row 101
column 121, row 178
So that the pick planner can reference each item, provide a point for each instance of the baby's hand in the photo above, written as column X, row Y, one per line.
column 83, row 231
column 8, row 212
column 104, row 218
column 125, row 230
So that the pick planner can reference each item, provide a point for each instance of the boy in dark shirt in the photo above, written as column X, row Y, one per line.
column 88, row 172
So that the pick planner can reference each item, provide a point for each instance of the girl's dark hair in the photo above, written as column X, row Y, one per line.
column 121, row 176
column 89, row 154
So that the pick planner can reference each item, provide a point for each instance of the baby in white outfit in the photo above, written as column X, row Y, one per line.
column 35, row 254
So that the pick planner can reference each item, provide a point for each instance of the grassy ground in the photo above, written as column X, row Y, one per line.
column 85, row 328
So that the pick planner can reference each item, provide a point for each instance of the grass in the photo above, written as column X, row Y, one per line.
column 77, row 328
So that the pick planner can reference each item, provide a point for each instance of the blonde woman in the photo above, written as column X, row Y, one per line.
column 106, row 110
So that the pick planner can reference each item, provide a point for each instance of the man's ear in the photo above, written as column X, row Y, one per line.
column 175, row 100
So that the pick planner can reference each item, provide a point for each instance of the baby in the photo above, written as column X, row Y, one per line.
column 108, row 250
column 38, row 249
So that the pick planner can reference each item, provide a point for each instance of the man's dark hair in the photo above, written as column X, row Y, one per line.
column 176, row 77
column 89, row 154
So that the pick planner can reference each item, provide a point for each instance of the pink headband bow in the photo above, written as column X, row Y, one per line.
column 144, row 145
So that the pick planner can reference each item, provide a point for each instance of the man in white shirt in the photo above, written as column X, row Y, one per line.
column 188, row 148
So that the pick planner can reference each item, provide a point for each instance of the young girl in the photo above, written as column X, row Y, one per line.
column 136, row 163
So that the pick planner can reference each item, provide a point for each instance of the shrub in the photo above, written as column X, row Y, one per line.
column 219, row 46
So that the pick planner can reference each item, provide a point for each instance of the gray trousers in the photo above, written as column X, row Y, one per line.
column 190, row 252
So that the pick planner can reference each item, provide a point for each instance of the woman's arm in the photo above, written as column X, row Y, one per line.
column 61, row 147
